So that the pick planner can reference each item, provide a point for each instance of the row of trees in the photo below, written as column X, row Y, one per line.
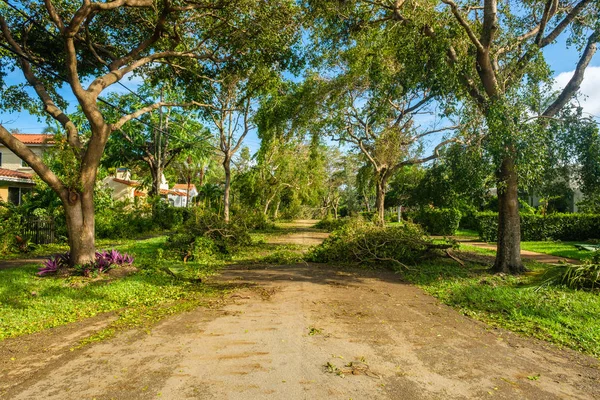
column 381, row 77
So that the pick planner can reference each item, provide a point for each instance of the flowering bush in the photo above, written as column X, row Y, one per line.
column 105, row 261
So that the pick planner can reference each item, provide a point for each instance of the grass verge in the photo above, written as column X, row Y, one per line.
column 559, row 315
column 559, row 249
column 29, row 303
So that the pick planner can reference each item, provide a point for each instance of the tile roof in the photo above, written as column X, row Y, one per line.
column 15, row 176
column 126, row 182
column 171, row 192
column 184, row 186
column 138, row 193
column 31, row 138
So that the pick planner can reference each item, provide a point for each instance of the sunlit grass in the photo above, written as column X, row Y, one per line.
column 29, row 303
column 557, row 314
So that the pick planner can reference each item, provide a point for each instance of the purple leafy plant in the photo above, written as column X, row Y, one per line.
column 54, row 263
column 105, row 260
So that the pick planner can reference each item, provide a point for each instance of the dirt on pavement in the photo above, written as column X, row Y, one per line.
column 303, row 331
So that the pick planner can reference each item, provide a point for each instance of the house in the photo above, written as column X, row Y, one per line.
column 124, row 188
column 16, row 177
column 179, row 194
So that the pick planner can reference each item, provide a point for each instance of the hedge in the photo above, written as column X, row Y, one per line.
column 569, row 227
column 437, row 221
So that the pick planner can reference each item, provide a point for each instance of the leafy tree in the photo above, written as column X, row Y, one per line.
column 491, row 58
column 381, row 124
column 164, row 137
column 86, row 49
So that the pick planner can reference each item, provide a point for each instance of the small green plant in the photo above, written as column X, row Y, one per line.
column 312, row 331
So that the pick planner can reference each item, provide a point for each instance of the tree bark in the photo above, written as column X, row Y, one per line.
column 380, row 202
column 156, row 173
column 227, row 168
column 276, row 214
column 79, row 212
column 508, row 255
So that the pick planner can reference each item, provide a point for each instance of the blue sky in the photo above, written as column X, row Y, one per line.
column 561, row 59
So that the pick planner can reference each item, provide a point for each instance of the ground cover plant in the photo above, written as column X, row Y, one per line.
column 105, row 261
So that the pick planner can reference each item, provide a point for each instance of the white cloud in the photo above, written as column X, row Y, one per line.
column 590, row 88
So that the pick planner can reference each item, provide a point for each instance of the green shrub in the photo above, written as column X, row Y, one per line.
column 256, row 221
column 468, row 219
column 438, row 221
column 123, row 220
column 9, row 228
column 366, row 243
column 168, row 217
column 205, row 235
column 566, row 227
column 331, row 224
column 283, row 257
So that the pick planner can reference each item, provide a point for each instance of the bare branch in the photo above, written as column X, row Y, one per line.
column 49, row 104
column 575, row 82
column 126, row 118
column 562, row 25
column 464, row 24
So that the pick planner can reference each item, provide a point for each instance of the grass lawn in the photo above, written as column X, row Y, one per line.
column 560, row 315
column 559, row 249
column 29, row 303
column 466, row 233
column 478, row 250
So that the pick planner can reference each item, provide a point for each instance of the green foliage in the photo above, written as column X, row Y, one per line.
column 205, row 236
column 369, row 244
column 123, row 220
column 584, row 276
column 254, row 221
column 9, row 228
column 581, row 276
column 544, row 227
column 331, row 224
column 438, row 221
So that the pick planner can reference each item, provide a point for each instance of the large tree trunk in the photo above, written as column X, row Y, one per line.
column 380, row 201
column 79, row 211
column 227, row 168
column 508, row 255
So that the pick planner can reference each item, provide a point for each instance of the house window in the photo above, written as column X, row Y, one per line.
column 15, row 194
column 0, row 158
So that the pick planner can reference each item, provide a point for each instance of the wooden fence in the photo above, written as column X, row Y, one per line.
column 38, row 230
